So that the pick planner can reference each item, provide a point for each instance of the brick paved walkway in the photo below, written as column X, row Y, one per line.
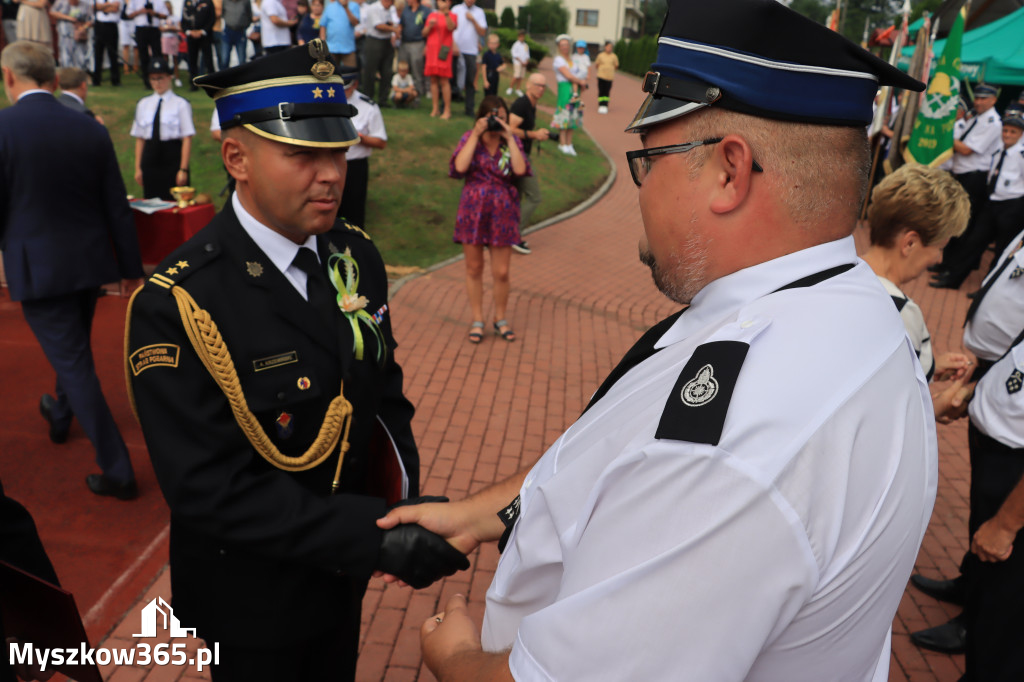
column 578, row 302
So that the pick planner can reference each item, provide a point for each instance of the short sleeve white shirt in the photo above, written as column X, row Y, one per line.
column 111, row 17
column 373, row 14
column 913, row 321
column 1009, row 182
column 465, row 35
column 557, row 65
column 270, row 34
column 983, row 134
column 997, row 408
column 1000, row 314
column 175, row 117
column 520, row 52
column 367, row 121
column 780, row 553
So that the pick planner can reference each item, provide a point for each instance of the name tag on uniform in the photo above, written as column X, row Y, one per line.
column 273, row 361
column 155, row 355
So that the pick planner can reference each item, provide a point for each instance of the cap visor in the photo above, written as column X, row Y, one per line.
column 657, row 110
column 324, row 132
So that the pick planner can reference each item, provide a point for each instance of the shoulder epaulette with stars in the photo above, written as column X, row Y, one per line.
column 173, row 272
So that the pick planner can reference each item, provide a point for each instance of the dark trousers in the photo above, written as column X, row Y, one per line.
column 353, row 198
column 199, row 47
column 604, row 91
column 377, row 58
column 999, row 221
column 976, row 186
column 105, row 41
column 63, row 327
column 995, row 591
column 469, row 86
column 147, row 38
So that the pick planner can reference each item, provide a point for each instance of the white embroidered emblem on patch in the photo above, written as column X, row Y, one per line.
column 702, row 389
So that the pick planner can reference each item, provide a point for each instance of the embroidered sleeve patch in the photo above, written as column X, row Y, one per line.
column 696, row 408
column 155, row 355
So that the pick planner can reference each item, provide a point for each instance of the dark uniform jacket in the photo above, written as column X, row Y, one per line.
column 258, row 553
column 198, row 15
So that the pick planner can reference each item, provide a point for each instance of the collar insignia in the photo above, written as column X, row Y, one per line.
column 253, row 268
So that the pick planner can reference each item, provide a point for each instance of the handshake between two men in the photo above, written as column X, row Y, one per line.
column 414, row 555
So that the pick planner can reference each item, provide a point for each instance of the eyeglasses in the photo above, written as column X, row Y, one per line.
column 640, row 160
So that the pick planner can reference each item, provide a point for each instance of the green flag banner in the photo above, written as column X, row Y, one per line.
column 931, row 141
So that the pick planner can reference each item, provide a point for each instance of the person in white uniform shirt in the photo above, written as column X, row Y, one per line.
column 972, row 158
column 369, row 125
column 745, row 496
column 275, row 33
column 163, row 130
column 470, row 27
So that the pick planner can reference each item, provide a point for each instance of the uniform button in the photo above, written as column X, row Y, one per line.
column 747, row 323
column 223, row 552
column 281, row 395
column 208, row 248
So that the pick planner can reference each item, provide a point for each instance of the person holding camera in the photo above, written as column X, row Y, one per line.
column 490, row 157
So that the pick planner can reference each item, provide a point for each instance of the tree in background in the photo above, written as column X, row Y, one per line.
column 508, row 18
column 654, row 16
column 814, row 10
column 544, row 16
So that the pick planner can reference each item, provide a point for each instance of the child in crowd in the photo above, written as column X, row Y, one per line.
column 607, row 63
column 170, row 43
column 491, row 65
column 520, row 60
column 403, row 89
column 309, row 20
column 581, row 64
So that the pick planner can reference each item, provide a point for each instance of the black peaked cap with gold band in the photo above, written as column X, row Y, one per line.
column 293, row 96
column 761, row 58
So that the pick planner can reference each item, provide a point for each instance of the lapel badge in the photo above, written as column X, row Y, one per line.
column 303, row 383
column 323, row 69
column 702, row 389
column 253, row 268
column 1017, row 272
column 1015, row 382
column 285, row 425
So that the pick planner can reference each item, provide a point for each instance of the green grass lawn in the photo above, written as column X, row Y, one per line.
column 412, row 201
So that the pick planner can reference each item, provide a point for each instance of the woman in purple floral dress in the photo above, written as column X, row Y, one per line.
column 490, row 158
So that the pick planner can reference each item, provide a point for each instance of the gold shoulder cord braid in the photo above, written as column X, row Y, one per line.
column 209, row 346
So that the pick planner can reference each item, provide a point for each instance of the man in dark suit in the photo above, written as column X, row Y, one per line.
column 197, row 19
column 262, row 366
column 74, row 88
column 65, row 230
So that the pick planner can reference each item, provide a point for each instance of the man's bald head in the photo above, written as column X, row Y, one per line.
column 537, row 79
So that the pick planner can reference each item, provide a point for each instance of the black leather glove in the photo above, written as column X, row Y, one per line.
column 416, row 555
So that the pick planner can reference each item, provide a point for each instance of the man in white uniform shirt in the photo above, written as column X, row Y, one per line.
column 736, row 503
column 369, row 125
column 471, row 26
column 972, row 158
column 382, row 25
column 274, row 26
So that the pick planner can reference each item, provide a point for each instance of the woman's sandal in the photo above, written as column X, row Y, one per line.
column 508, row 334
column 476, row 332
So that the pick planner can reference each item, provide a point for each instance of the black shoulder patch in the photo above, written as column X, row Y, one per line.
column 696, row 409
column 900, row 301
column 175, row 270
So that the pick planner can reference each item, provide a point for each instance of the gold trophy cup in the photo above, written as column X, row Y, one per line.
column 183, row 195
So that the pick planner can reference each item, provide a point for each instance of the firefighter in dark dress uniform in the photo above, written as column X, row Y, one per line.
column 261, row 363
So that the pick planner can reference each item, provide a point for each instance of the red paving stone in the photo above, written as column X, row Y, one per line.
column 577, row 303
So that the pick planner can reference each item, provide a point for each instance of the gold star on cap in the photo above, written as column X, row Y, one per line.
column 330, row 92
column 182, row 264
column 318, row 93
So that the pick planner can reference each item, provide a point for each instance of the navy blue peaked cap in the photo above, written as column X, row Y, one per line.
column 985, row 90
column 293, row 96
column 1014, row 118
column 759, row 57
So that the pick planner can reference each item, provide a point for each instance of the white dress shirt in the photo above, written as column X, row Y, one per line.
column 982, row 134
column 374, row 14
column 1008, row 175
column 465, row 34
column 175, row 117
column 782, row 552
column 1000, row 314
column 279, row 249
column 997, row 408
column 367, row 121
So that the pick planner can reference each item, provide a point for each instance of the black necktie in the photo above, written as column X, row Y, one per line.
column 156, row 119
column 318, row 290
column 988, row 284
column 993, row 178
column 969, row 129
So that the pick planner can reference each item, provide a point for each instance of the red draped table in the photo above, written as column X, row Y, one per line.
column 163, row 231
